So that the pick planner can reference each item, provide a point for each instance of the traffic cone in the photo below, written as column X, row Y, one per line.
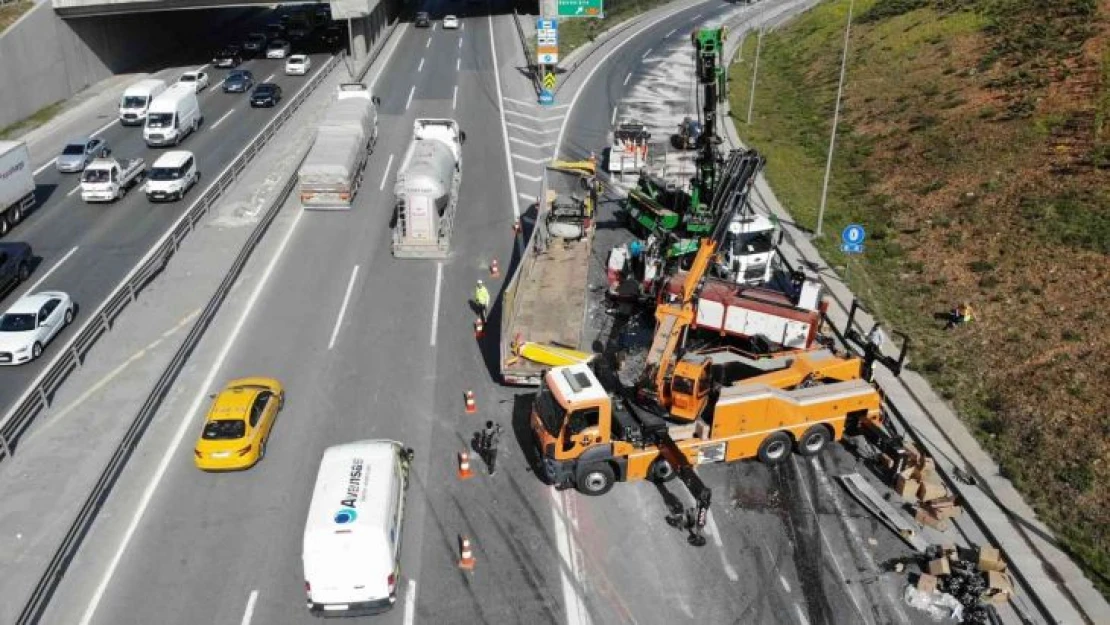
column 471, row 405
column 464, row 466
column 494, row 270
column 479, row 328
column 466, row 555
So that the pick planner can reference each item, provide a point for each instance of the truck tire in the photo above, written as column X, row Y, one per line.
column 775, row 448
column 813, row 441
column 661, row 471
column 4, row 225
column 595, row 480
column 16, row 214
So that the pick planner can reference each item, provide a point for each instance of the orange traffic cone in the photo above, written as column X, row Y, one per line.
column 479, row 328
column 466, row 555
column 494, row 270
column 471, row 405
column 464, row 466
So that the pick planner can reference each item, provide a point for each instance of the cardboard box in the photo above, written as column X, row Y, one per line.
column 925, row 517
column 1000, row 581
column 944, row 512
column 990, row 559
column 907, row 488
column 928, row 465
column 926, row 583
column 997, row 597
column 939, row 567
column 930, row 490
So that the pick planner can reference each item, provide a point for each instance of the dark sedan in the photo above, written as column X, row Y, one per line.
column 239, row 81
column 266, row 94
column 231, row 56
column 15, row 265
column 422, row 20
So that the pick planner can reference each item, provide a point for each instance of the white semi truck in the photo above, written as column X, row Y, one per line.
column 427, row 190
column 109, row 179
column 17, row 184
column 332, row 171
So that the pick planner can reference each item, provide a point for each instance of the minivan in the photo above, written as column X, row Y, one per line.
column 352, row 538
column 172, row 116
column 136, row 99
column 171, row 176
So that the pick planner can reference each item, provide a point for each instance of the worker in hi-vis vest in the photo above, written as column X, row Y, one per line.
column 481, row 298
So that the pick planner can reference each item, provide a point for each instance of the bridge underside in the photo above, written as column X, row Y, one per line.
column 341, row 9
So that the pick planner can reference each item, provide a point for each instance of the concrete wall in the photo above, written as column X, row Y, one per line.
column 45, row 59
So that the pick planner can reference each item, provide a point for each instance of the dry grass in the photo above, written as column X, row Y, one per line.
column 974, row 145
column 11, row 11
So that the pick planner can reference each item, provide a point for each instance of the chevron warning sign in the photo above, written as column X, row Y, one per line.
column 549, row 81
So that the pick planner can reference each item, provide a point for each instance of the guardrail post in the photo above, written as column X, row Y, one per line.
column 107, row 320
column 44, row 397
column 5, row 447
column 131, row 290
column 77, row 356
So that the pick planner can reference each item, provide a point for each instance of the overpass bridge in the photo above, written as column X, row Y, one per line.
column 341, row 9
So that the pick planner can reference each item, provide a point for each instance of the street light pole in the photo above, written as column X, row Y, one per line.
column 836, row 120
column 755, row 72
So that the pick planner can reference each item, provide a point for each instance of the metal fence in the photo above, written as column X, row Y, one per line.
column 37, row 397
column 529, row 56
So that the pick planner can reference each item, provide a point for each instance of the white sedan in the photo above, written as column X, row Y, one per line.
column 199, row 80
column 298, row 64
column 450, row 21
column 31, row 323
column 278, row 49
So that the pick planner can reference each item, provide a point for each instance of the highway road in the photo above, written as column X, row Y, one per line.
column 86, row 249
column 372, row 347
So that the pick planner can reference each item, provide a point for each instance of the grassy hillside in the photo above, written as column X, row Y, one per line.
column 975, row 147
column 12, row 10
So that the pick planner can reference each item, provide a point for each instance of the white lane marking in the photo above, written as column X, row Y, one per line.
column 420, row 68
column 458, row 64
column 572, row 601
column 460, row 42
column 801, row 615
column 410, row 602
column 646, row 54
column 534, row 118
column 74, row 190
column 46, row 275
column 532, row 129
column 95, row 133
column 434, row 24
column 343, row 308
column 455, row 97
column 428, row 44
column 43, row 167
column 673, row 31
column 525, row 196
column 696, row 17
column 628, row 78
column 716, row 534
column 269, row 78
column 521, row 102
column 501, row 112
column 409, row 101
column 385, row 175
column 522, row 141
column 613, row 119
column 248, row 613
column 462, row 25
column 202, row 67
column 537, row 161
column 186, row 423
column 785, row 584
column 225, row 116
column 435, row 303
column 603, row 59
column 527, row 177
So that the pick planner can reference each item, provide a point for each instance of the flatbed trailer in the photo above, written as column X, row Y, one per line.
column 545, row 300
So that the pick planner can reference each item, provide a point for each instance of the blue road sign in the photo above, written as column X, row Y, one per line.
column 547, row 98
column 853, row 234
column 851, row 248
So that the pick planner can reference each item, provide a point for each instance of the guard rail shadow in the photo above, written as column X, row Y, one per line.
column 533, row 65
column 39, row 395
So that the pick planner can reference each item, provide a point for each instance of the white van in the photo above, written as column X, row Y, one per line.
column 352, row 539
column 171, row 176
column 172, row 116
column 136, row 99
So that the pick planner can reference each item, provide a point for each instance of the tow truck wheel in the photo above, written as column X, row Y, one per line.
column 813, row 441
column 775, row 448
column 661, row 471
column 595, row 480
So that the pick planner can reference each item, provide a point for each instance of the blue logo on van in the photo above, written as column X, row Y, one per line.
column 345, row 516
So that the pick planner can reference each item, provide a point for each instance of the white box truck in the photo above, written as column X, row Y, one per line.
column 332, row 171
column 17, row 184
column 136, row 99
column 427, row 190
column 172, row 116
column 352, row 538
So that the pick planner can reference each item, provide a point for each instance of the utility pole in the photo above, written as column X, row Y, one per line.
column 755, row 72
column 836, row 120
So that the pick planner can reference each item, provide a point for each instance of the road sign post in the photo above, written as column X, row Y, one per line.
column 581, row 8
column 851, row 243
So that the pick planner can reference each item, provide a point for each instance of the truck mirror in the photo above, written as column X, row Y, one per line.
column 782, row 235
column 462, row 137
column 376, row 100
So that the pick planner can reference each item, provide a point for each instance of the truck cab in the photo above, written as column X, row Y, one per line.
column 748, row 253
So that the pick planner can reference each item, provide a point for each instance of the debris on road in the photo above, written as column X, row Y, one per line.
column 963, row 585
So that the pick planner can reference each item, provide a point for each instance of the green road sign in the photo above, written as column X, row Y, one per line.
column 580, row 8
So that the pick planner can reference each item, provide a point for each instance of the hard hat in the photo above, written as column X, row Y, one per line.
column 479, row 282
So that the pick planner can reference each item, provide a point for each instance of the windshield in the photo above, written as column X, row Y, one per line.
column 133, row 101
column 753, row 243
column 237, row 77
column 159, row 120
column 188, row 78
column 277, row 45
column 295, row 60
column 17, row 323
column 264, row 90
column 549, row 410
column 96, row 175
column 165, row 173
column 224, row 429
column 683, row 385
column 74, row 149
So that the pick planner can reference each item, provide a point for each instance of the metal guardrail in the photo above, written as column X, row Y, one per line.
column 38, row 395
column 533, row 66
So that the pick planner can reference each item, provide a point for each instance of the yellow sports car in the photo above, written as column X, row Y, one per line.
column 238, row 424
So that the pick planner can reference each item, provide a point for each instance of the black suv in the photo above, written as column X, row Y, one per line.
column 422, row 20
column 15, row 265
column 266, row 94
column 230, row 56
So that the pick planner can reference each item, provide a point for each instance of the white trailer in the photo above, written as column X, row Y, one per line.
column 427, row 190
column 17, row 184
column 109, row 179
column 332, row 171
